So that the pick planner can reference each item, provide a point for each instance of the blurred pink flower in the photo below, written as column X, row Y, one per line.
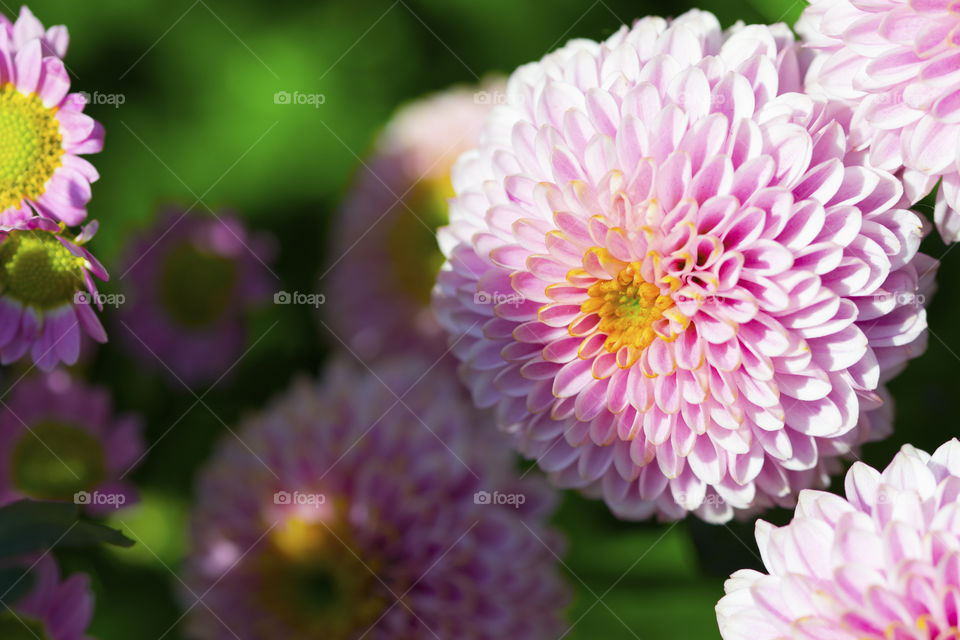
column 882, row 563
column 669, row 277
column 43, row 129
column 897, row 63
column 47, row 292
column 62, row 441
column 385, row 256
column 192, row 280
column 359, row 515
column 53, row 609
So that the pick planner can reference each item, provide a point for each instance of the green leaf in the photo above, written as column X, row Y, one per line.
column 780, row 10
column 29, row 526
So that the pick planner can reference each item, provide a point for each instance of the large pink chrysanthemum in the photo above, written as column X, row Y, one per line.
column 60, row 437
column 897, row 63
column 669, row 276
column 385, row 254
column 361, row 516
column 53, row 609
column 47, row 292
column 192, row 281
column 884, row 563
column 43, row 129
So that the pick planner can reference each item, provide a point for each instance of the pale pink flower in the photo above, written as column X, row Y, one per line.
column 884, row 563
column 671, row 279
column 897, row 63
column 385, row 257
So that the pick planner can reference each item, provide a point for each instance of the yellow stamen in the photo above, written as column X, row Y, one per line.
column 31, row 147
column 313, row 579
column 628, row 307
column 37, row 270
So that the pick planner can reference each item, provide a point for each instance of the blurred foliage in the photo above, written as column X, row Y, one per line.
column 30, row 527
column 198, row 126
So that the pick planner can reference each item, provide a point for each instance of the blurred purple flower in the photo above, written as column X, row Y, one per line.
column 352, row 501
column 61, row 441
column 192, row 278
column 385, row 254
column 53, row 609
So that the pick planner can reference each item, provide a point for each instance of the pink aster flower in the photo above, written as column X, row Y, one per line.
column 192, row 280
column 670, row 278
column 53, row 41
column 362, row 516
column 897, row 63
column 42, row 128
column 47, row 292
column 60, row 437
column 385, row 252
column 882, row 563
column 53, row 608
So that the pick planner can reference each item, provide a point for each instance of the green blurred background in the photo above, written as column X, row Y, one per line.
column 199, row 127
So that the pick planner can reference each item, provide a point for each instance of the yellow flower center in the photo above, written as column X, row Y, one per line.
column 315, row 580
column 628, row 307
column 31, row 147
column 415, row 257
column 54, row 460
column 196, row 287
column 38, row 271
